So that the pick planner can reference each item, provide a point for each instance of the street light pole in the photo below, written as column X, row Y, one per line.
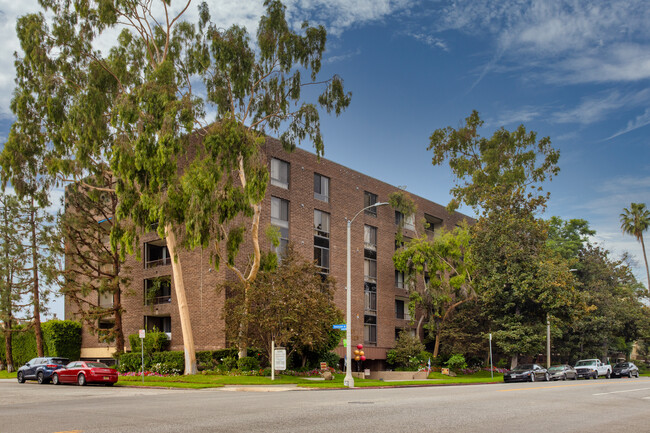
column 548, row 342
column 349, row 380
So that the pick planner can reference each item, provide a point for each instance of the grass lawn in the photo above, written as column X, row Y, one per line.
column 213, row 381
column 5, row 375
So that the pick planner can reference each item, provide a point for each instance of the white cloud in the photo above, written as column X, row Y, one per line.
column 638, row 122
column 429, row 40
column 598, row 107
column 516, row 117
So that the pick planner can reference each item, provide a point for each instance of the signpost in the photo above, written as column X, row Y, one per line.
column 278, row 359
column 142, row 333
column 491, row 367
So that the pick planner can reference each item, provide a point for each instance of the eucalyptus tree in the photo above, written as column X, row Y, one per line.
column 135, row 108
column 634, row 221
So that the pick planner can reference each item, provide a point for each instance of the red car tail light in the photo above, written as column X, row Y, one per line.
column 52, row 366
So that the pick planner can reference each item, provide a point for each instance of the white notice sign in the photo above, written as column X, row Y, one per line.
column 142, row 333
column 280, row 356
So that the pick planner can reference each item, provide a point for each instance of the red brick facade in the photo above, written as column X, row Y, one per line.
column 346, row 198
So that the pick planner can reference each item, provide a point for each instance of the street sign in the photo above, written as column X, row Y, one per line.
column 142, row 333
column 342, row 327
column 280, row 356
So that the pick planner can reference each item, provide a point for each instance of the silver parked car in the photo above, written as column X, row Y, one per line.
column 562, row 372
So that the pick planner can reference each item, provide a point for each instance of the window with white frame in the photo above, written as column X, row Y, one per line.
column 399, row 279
column 370, row 237
column 279, row 173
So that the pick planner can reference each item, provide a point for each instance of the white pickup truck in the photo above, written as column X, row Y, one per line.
column 592, row 368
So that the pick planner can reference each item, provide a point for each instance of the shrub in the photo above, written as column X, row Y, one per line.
column 23, row 346
column 154, row 341
column 132, row 362
column 248, row 363
column 406, row 352
column 165, row 368
column 456, row 362
column 62, row 338
column 228, row 363
column 331, row 358
column 175, row 359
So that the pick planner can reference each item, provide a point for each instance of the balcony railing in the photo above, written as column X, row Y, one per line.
column 159, row 300
column 160, row 262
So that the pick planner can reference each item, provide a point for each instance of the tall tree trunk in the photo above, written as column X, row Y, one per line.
column 514, row 360
column 117, row 327
column 181, row 298
column 9, row 357
column 36, row 288
column 645, row 258
column 436, row 346
column 243, row 326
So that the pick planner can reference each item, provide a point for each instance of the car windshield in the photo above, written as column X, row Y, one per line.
column 556, row 368
column 583, row 363
column 523, row 367
column 622, row 365
column 60, row 361
column 96, row 365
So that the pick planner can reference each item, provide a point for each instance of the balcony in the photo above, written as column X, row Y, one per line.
column 156, row 254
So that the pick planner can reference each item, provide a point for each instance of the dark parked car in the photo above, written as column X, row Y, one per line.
column 526, row 373
column 562, row 372
column 40, row 369
column 625, row 369
column 83, row 372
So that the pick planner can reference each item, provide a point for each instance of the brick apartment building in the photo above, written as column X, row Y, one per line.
column 309, row 200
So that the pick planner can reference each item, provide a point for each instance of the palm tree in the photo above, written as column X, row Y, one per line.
column 635, row 221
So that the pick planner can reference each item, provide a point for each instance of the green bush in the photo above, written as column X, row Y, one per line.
column 331, row 358
column 228, row 363
column 23, row 346
column 154, row 341
column 406, row 353
column 132, row 362
column 456, row 362
column 62, row 338
column 175, row 359
column 248, row 363
column 165, row 368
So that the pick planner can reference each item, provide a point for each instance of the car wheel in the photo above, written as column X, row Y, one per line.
column 608, row 375
column 21, row 377
column 564, row 377
column 81, row 380
column 532, row 377
column 55, row 379
column 547, row 378
column 575, row 377
column 40, row 378
column 629, row 375
column 595, row 376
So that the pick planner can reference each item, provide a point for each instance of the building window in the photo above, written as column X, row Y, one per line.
column 322, row 240
column 280, row 219
column 370, row 238
column 370, row 297
column 159, row 323
column 157, row 291
column 406, row 222
column 401, row 309
column 399, row 279
column 106, row 323
column 431, row 223
column 279, row 173
column 368, row 200
column 106, row 299
column 321, row 187
column 370, row 268
column 369, row 329
column 156, row 254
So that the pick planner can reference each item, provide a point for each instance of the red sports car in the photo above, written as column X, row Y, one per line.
column 83, row 372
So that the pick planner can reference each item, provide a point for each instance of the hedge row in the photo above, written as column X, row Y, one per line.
column 60, row 338
column 174, row 361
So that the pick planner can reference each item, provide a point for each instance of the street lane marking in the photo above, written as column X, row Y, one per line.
column 70, row 431
column 545, row 387
column 600, row 382
column 626, row 390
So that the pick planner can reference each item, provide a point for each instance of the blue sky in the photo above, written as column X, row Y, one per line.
column 576, row 71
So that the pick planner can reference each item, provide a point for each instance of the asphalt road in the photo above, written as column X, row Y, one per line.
column 574, row 406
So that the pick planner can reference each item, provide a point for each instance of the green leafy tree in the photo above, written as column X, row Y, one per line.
column 292, row 305
column 520, row 280
column 484, row 167
column 445, row 273
column 14, row 280
column 634, row 221
column 567, row 238
column 134, row 109
column 615, row 314
column 95, row 278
